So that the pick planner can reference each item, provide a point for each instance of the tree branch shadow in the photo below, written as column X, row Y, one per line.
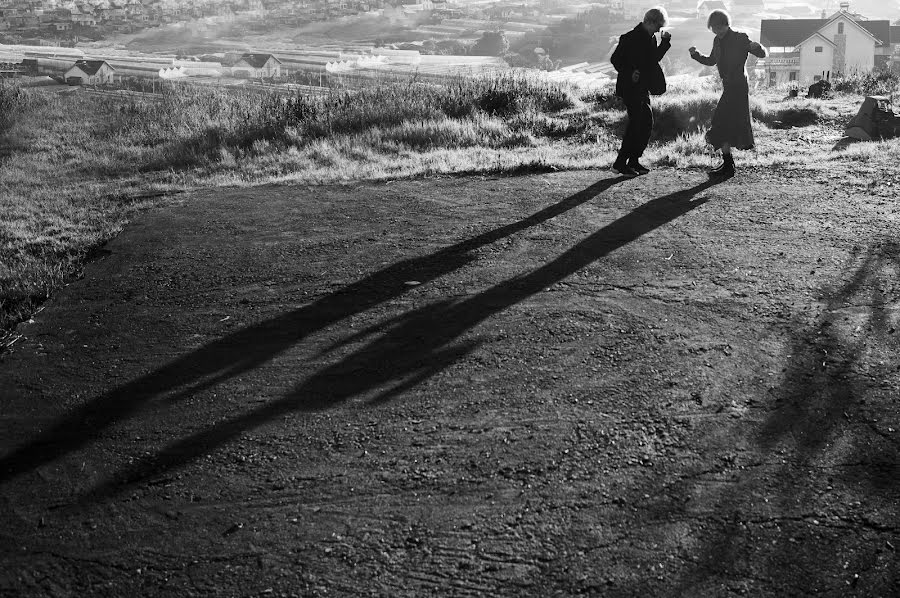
column 829, row 434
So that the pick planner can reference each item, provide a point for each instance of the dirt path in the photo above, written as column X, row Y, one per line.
column 549, row 384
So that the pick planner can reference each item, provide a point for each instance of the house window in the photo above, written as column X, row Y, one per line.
column 818, row 48
column 840, row 28
column 792, row 76
column 772, row 77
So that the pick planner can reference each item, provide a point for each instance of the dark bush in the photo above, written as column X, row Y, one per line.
column 604, row 100
column 787, row 118
column 499, row 102
column 877, row 82
column 491, row 43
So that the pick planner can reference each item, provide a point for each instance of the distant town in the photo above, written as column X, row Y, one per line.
column 66, row 39
column 60, row 23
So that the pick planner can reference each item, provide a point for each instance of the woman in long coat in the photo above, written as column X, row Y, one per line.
column 730, row 127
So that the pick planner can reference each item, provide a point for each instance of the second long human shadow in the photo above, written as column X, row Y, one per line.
column 419, row 343
column 250, row 347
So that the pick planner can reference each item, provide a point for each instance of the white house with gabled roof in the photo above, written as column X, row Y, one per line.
column 90, row 72
column 256, row 66
column 806, row 50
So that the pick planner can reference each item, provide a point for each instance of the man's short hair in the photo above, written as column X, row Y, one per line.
column 718, row 17
column 657, row 16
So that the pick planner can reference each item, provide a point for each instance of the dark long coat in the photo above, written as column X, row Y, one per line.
column 638, row 49
column 731, row 120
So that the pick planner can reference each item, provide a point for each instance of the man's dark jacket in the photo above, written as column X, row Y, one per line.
column 637, row 49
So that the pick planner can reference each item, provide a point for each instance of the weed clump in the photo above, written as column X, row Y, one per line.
column 682, row 114
column 12, row 100
column 877, row 82
column 787, row 118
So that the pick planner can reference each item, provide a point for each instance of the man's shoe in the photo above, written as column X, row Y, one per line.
column 624, row 169
column 638, row 167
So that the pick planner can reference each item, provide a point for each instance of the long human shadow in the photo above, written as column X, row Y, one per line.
column 820, row 416
column 252, row 346
column 417, row 344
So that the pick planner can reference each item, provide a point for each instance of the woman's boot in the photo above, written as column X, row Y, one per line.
column 726, row 168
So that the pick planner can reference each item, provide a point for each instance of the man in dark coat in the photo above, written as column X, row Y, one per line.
column 636, row 59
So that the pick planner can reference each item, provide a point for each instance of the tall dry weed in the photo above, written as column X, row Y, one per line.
column 12, row 100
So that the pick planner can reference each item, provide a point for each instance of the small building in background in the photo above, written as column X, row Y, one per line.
column 704, row 7
column 257, row 66
column 90, row 72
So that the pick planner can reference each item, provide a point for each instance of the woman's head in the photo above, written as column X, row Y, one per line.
column 718, row 22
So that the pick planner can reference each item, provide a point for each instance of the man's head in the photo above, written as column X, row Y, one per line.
column 655, row 19
column 718, row 22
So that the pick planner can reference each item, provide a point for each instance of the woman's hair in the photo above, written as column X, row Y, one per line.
column 657, row 15
column 718, row 17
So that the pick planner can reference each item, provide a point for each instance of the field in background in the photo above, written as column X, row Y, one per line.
column 74, row 166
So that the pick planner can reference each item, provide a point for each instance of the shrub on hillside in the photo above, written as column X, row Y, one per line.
column 877, row 82
column 786, row 118
column 499, row 102
column 390, row 103
column 194, row 124
column 685, row 114
column 491, row 43
column 680, row 114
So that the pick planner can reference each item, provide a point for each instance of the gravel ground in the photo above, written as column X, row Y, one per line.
column 552, row 384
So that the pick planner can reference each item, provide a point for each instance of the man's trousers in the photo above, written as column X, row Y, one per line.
column 640, row 125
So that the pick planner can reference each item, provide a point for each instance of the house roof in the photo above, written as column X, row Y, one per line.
column 258, row 61
column 790, row 32
column 881, row 30
column 711, row 5
column 787, row 32
column 90, row 67
column 818, row 35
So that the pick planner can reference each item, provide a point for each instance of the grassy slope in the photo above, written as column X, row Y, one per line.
column 75, row 167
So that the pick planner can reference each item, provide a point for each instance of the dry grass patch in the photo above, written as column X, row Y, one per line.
column 75, row 168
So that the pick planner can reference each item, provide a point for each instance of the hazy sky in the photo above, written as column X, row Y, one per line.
column 873, row 9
